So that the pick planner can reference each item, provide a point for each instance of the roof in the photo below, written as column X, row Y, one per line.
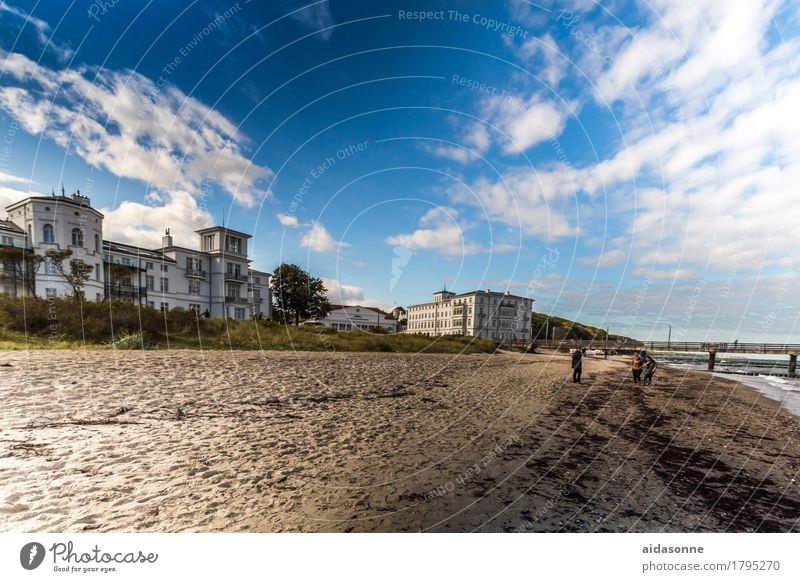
column 224, row 228
column 10, row 226
column 57, row 200
column 476, row 292
column 334, row 307
column 116, row 247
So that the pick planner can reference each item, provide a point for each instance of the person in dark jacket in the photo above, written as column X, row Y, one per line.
column 649, row 369
column 636, row 367
column 577, row 365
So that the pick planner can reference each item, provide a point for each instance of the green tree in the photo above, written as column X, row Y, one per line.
column 296, row 294
column 76, row 274
column 19, row 266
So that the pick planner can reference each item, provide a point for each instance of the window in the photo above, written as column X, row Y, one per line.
column 194, row 265
column 148, row 265
column 164, row 306
column 233, row 244
column 196, row 307
column 208, row 242
column 238, row 313
column 164, row 284
column 51, row 292
column 97, row 271
column 164, row 268
column 49, row 233
column 232, row 290
column 97, row 242
column 256, row 293
column 258, row 280
column 49, row 267
column 151, row 283
column 77, row 237
column 151, row 304
column 7, row 240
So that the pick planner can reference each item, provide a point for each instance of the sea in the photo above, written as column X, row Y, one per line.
column 765, row 373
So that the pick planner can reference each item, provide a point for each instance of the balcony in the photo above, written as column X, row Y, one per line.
column 235, row 299
column 114, row 291
column 236, row 277
column 196, row 274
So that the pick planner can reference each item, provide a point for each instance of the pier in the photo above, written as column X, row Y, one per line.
column 711, row 348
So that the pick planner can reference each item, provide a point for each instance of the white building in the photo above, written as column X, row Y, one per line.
column 350, row 317
column 399, row 313
column 483, row 314
column 216, row 276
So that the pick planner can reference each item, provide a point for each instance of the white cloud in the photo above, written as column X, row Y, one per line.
column 317, row 238
column 442, row 234
column 6, row 178
column 41, row 29
column 143, row 224
column 128, row 125
column 288, row 220
column 11, row 194
column 341, row 294
column 317, row 17
column 543, row 52
column 704, row 177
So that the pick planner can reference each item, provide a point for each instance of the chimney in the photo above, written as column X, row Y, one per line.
column 166, row 240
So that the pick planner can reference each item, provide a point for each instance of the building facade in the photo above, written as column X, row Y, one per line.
column 351, row 317
column 216, row 276
column 484, row 314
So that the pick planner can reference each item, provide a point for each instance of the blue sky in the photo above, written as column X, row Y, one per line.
column 630, row 164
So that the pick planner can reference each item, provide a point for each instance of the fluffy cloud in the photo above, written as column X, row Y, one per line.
column 441, row 233
column 132, row 127
column 288, row 220
column 143, row 224
column 341, row 294
column 317, row 238
column 704, row 175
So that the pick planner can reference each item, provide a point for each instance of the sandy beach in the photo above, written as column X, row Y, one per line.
column 278, row 441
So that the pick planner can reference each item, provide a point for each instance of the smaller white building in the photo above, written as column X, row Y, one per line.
column 350, row 317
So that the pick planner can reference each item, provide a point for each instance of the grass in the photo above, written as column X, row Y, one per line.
column 61, row 323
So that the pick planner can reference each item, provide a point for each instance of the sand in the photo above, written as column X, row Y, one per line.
column 272, row 442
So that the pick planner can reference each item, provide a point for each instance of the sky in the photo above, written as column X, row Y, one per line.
column 628, row 164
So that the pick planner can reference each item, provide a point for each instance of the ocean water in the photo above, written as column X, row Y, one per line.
column 761, row 372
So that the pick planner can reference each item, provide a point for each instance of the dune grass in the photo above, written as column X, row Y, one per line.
column 61, row 323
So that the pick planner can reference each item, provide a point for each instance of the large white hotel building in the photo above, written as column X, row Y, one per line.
column 216, row 276
column 484, row 314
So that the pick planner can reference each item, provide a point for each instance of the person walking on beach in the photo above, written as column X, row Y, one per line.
column 636, row 367
column 577, row 365
column 649, row 369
